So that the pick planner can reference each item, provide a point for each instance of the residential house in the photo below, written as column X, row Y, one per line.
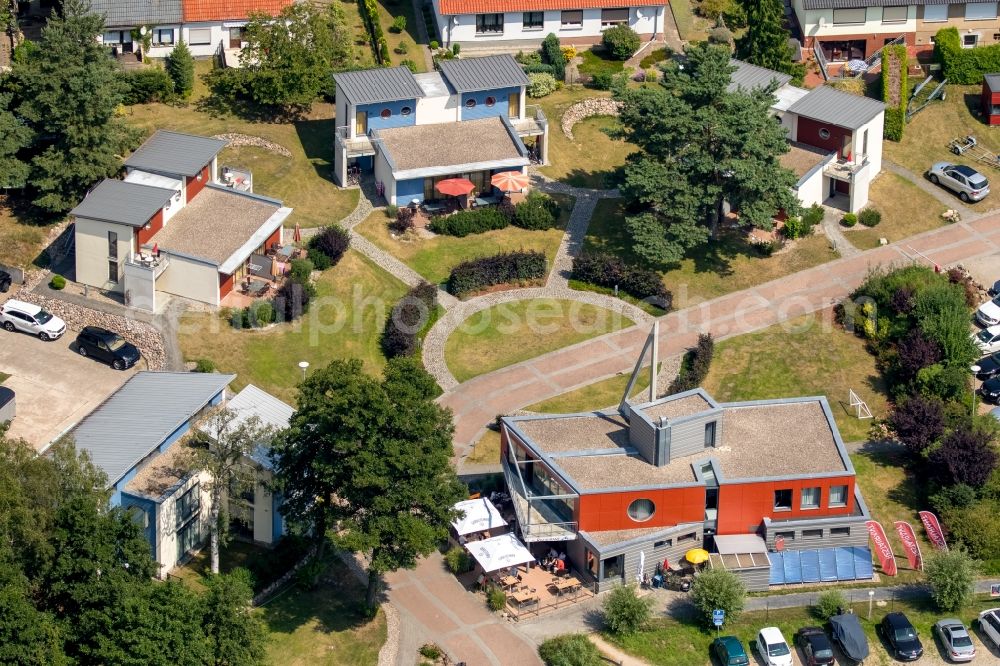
column 171, row 226
column 133, row 437
column 835, row 137
column 479, row 23
column 468, row 120
column 767, row 485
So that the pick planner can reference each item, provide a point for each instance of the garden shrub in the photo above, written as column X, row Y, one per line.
column 552, row 55
column 620, row 41
column 538, row 68
column 602, row 81
column 626, row 613
column 180, row 67
column 718, row 588
column 435, row 45
column 332, row 241
column 608, row 270
column 430, row 651
column 570, row 650
column 408, row 316
column 58, row 282
column 849, row 219
column 794, row 228
column 301, row 270
column 895, row 68
column 569, row 52
column 529, row 58
column 144, row 86
column 465, row 222
column 503, row 268
column 538, row 211
column 869, row 217
column 964, row 66
column 721, row 35
column 813, row 216
column 292, row 299
column 320, row 261
column 694, row 365
column 370, row 17
column 541, row 84
column 830, row 603
column 390, row 211
column 764, row 248
column 951, row 576
column 496, row 599
column 404, row 220
column 409, row 64
column 456, row 48
column 402, row 48
column 458, row 560
column 204, row 365
column 398, row 24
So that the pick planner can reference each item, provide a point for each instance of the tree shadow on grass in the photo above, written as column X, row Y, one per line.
column 317, row 137
column 336, row 603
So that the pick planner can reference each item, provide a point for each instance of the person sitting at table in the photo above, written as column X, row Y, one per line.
column 559, row 566
column 553, row 554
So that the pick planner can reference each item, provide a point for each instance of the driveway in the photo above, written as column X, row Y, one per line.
column 54, row 386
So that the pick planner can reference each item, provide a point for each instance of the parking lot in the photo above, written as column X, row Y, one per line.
column 54, row 386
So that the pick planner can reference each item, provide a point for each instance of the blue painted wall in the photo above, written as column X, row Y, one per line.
column 366, row 162
column 149, row 508
column 277, row 522
column 375, row 120
column 480, row 110
column 407, row 190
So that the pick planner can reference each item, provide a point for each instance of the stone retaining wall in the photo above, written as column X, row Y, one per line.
column 237, row 140
column 595, row 106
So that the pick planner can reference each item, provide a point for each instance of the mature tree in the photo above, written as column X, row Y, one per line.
column 918, row 422
column 625, row 612
column 224, row 452
column 765, row 43
column 180, row 66
column 700, row 147
column 15, row 136
column 977, row 527
column 951, row 575
column 27, row 635
column 718, row 588
column 374, row 457
column 236, row 636
column 965, row 456
column 68, row 92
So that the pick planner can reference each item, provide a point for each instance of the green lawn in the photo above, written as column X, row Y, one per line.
column 712, row 270
column 388, row 10
column 344, row 321
column 592, row 158
column 487, row 449
column 689, row 27
column 654, row 58
column 434, row 257
column 21, row 242
column 4, row 377
column 806, row 356
column 605, row 393
column 906, row 210
column 673, row 643
column 596, row 61
column 513, row 332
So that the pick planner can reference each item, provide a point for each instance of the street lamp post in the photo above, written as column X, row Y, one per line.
column 304, row 365
column 871, row 598
column 975, row 373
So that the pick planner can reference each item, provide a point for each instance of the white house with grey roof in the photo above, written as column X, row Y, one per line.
column 469, row 120
column 171, row 226
column 133, row 437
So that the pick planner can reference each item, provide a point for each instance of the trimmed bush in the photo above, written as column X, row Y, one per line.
column 369, row 15
column 538, row 68
column 963, row 66
column 204, row 365
column 620, row 41
column 830, row 603
column 504, row 268
column 398, row 24
column 58, row 282
column 570, row 650
column 458, row 560
column 608, row 270
column 408, row 316
column 466, row 222
column 849, row 219
column 292, row 299
column 333, row 241
column 869, row 217
column 694, row 366
column 552, row 55
column 301, row 270
column 144, row 86
column 536, row 212
column 541, row 84
column 895, row 64
column 435, row 45
column 626, row 613
column 320, row 261
column 602, row 81
column 721, row 35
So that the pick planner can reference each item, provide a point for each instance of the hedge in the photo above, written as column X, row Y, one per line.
column 143, row 86
column 466, row 222
column 400, row 334
column 695, row 366
column 964, row 66
column 380, row 47
column 895, row 114
column 502, row 268
column 537, row 212
column 607, row 270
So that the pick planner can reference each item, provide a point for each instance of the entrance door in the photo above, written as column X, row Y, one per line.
column 126, row 39
column 514, row 106
column 361, row 123
column 236, row 38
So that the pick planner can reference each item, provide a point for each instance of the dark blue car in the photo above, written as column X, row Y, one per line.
column 729, row 651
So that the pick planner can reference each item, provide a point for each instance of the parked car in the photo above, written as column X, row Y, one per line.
column 815, row 646
column 5, row 282
column 988, row 313
column 897, row 630
column 848, row 634
column 955, row 639
column 989, row 625
column 30, row 318
column 729, row 651
column 107, row 346
column 773, row 648
column 995, row 289
column 988, row 339
column 988, row 366
column 990, row 390
column 966, row 182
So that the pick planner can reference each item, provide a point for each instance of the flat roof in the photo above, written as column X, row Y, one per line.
column 612, row 537
column 623, row 470
column 433, row 84
column 175, row 153
column 381, row 84
column 217, row 223
column 484, row 73
column 829, row 105
column 270, row 412
column 589, row 432
column 122, row 203
column 800, row 158
column 676, row 408
column 445, row 146
column 162, row 473
column 992, row 81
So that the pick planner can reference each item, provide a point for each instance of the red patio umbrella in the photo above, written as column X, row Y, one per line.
column 455, row 186
column 297, row 235
column 510, row 181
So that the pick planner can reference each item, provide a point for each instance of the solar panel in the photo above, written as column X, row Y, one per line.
column 777, row 569
column 820, row 564
column 862, row 562
column 793, row 567
column 845, row 563
column 810, row 566
column 827, row 565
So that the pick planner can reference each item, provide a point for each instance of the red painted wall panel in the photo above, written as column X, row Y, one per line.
column 808, row 133
column 273, row 238
column 155, row 224
column 742, row 506
column 609, row 511
column 194, row 186
column 225, row 284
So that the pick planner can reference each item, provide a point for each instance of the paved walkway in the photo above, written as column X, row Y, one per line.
column 831, row 227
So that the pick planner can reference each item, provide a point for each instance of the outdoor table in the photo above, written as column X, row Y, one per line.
column 567, row 584
column 509, row 581
column 523, row 598
column 286, row 252
column 257, row 287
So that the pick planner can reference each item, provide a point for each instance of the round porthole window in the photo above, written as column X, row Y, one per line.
column 405, row 111
column 824, row 133
column 470, row 103
column 491, row 101
column 386, row 113
column 641, row 510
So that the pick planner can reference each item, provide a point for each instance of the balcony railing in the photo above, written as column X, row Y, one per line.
column 147, row 261
column 534, row 122
column 844, row 170
column 356, row 147
column 536, row 519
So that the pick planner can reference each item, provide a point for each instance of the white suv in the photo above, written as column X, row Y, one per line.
column 773, row 648
column 989, row 625
column 21, row 316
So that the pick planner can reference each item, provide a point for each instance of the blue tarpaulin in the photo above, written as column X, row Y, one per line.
column 820, row 564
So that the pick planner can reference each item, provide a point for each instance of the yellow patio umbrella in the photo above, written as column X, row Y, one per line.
column 696, row 555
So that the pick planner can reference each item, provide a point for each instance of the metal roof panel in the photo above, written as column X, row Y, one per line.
column 124, row 203
column 175, row 153
column 133, row 13
column 837, row 107
column 751, row 77
column 486, row 73
column 370, row 86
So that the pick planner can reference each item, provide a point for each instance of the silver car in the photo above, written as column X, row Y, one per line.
column 955, row 639
column 966, row 182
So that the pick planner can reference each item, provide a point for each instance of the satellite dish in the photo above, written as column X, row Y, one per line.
column 142, row 31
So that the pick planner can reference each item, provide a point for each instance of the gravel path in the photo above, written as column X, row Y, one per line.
column 831, row 227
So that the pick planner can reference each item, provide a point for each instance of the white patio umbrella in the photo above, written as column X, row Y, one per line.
column 499, row 552
column 477, row 515
column 642, row 565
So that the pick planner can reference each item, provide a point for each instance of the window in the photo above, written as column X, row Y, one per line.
column 935, row 12
column 188, row 504
column 783, row 499
column 980, row 11
column 470, row 103
column 787, row 536
column 666, row 543
column 824, row 133
column 610, row 17
column 848, row 16
column 840, row 531
column 810, row 498
column 163, row 37
column 844, row 50
column 491, row 101
column 614, row 567
column 812, row 534
column 114, row 37
column 113, row 272
column 139, row 517
column 199, row 36
column 690, row 536
column 969, row 41
column 236, row 37
column 894, row 14
column 641, row 510
column 112, row 245
column 385, row 114
column 405, row 111
column 489, row 24
column 710, row 434
column 864, row 145
column 533, row 20
column 591, row 562
column 571, row 19
column 187, row 538
column 838, row 495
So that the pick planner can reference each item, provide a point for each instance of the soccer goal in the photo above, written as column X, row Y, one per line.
column 860, row 406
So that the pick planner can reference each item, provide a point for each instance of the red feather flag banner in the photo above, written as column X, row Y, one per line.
column 910, row 545
column 882, row 547
column 933, row 529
